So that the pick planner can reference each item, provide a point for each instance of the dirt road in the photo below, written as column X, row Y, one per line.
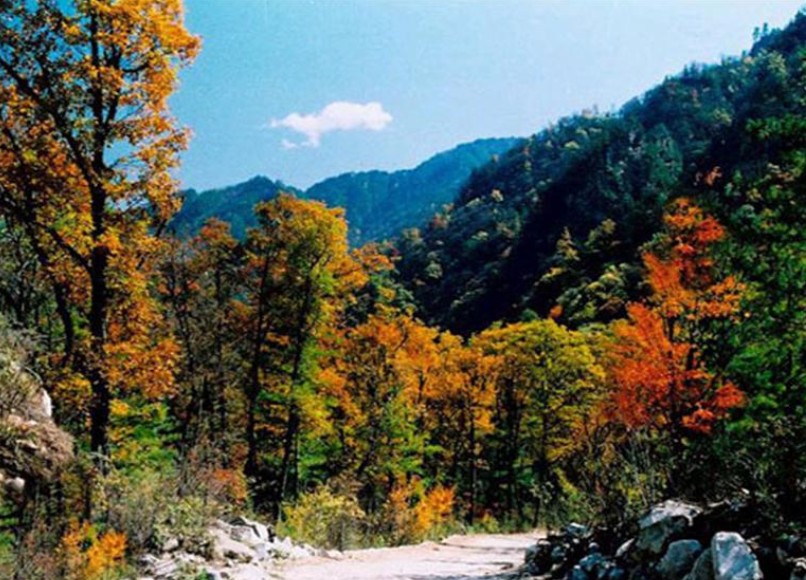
column 488, row 556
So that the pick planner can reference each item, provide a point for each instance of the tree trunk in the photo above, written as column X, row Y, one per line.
column 101, row 395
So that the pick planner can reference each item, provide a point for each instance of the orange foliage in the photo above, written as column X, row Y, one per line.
column 87, row 150
column 433, row 510
column 660, row 381
column 416, row 513
column 655, row 362
column 86, row 555
column 228, row 486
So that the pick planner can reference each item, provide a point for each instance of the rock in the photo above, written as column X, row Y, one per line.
column 678, row 559
column 625, row 549
column 798, row 570
column 591, row 563
column 577, row 573
column 577, row 531
column 558, row 554
column 615, row 573
column 703, row 568
column 286, row 549
column 226, row 547
column 15, row 484
column 538, row 557
column 45, row 404
column 663, row 523
column 261, row 550
column 159, row 567
column 261, row 530
column 170, row 545
column 733, row 558
column 245, row 534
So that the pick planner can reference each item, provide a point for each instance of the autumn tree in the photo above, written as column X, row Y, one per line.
column 297, row 271
column 87, row 145
column 660, row 377
column 370, row 384
column 460, row 404
column 548, row 381
column 200, row 284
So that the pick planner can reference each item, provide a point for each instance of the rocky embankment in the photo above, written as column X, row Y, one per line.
column 673, row 541
column 238, row 549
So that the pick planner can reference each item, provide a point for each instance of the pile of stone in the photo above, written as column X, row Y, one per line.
column 674, row 541
column 240, row 549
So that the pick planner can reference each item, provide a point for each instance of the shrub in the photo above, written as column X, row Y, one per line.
column 412, row 514
column 86, row 554
column 325, row 519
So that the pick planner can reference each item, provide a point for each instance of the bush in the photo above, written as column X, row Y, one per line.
column 324, row 519
column 412, row 514
column 86, row 554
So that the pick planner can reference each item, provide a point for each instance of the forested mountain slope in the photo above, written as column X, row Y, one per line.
column 556, row 224
column 379, row 204
column 234, row 205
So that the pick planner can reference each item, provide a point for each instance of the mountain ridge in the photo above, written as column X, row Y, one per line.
column 379, row 204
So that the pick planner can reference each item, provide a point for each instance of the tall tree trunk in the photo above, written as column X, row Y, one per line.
column 101, row 395
column 473, row 469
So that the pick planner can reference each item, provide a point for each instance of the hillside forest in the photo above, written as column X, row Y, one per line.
column 608, row 313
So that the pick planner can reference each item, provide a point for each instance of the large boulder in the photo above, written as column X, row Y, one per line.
column 733, row 558
column 227, row 548
column 678, row 559
column 663, row 523
column 703, row 568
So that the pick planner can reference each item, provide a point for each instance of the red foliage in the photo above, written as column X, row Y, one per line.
column 660, row 380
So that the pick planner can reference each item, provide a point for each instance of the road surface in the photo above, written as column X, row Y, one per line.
column 488, row 556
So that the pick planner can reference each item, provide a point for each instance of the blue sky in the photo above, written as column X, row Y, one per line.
column 408, row 78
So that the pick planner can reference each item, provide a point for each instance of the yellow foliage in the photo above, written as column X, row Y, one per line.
column 413, row 519
column 433, row 510
column 86, row 555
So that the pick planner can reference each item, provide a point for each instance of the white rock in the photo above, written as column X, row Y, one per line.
column 663, row 522
column 733, row 558
column 225, row 547
column 261, row 530
column 245, row 534
column 15, row 484
column 170, row 545
column 45, row 403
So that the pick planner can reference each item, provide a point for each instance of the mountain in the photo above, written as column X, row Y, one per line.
column 231, row 204
column 378, row 204
column 555, row 226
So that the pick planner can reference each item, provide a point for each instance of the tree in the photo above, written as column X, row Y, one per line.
column 661, row 381
column 297, row 272
column 87, row 145
column 548, row 381
column 200, row 284
column 373, row 387
column 460, row 409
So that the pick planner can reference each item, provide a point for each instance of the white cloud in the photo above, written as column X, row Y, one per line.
column 337, row 116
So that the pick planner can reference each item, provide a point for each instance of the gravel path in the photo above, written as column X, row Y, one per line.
column 488, row 556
